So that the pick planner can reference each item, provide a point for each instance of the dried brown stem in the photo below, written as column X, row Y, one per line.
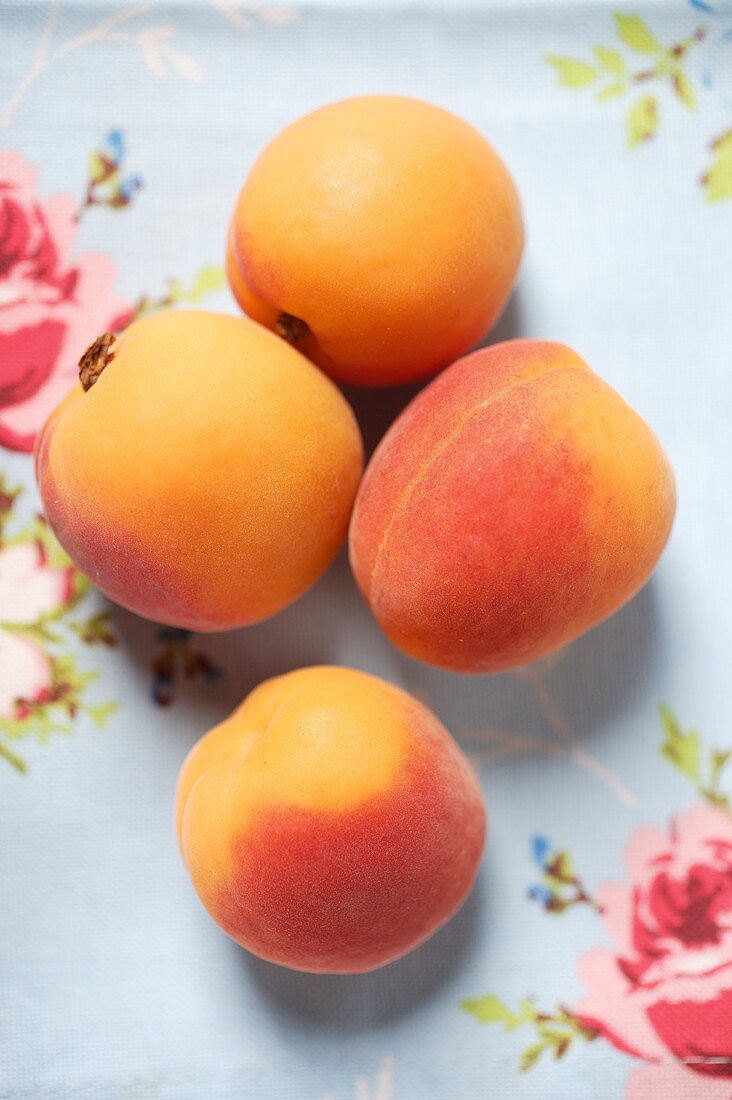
column 95, row 359
column 291, row 328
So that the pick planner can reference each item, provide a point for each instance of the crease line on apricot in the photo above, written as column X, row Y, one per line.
column 408, row 490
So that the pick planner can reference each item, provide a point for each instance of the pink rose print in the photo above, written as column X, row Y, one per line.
column 30, row 590
column 675, row 1082
column 43, row 691
column 51, row 307
column 664, row 993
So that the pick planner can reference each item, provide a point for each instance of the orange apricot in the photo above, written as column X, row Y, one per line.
column 380, row 234
column 331, row 824
column 514, row 504
column 206, row 477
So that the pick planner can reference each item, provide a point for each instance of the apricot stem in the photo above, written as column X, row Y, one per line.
column 95, row 359
column 290, row 328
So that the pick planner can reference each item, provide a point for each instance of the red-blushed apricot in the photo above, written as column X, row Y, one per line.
column 331, row 824
column 380, row 234
column 515, row 503
column 206, row 476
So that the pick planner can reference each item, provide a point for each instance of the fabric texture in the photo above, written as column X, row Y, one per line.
column 594, row 958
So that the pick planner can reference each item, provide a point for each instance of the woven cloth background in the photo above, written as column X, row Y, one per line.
column 125, row 132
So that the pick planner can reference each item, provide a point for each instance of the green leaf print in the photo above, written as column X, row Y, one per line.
column 573, row 74
column 680, row 749
column 686, row 752
column 717, row 180
column 100, row 714
column 560, row 887
column 8, row 497
column 492, row 1010
column 611, row 60
column 531, row 1055
column 610, row 91
column 613, row 73
column 635, row 32
column 96, row 630
column 208, row 280
column 641, row 120
column 719, row 760
column 684, row 90
column 555, row 1031
column 11, row 758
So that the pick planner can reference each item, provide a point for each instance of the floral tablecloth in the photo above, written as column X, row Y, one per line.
column 594, row 959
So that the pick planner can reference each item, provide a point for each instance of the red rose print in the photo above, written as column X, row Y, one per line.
column 51, row 307
column 664, row 993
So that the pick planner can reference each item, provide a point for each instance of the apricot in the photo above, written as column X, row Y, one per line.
column 331, row 824
column 206, row 477
column 515, row 503
column 380, row 234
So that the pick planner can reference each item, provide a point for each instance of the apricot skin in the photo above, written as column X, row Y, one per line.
column 331, row 824
column 206, row 479
column 515, row 503
column 389, row 226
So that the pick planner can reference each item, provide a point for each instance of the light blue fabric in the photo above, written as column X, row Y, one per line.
column 114, row 982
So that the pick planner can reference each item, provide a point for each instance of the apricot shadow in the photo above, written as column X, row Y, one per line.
column 604, row 673
column 597, row 679
column 377, row 409
column 351, row 1003
column 511, row 323
column 328, row 625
